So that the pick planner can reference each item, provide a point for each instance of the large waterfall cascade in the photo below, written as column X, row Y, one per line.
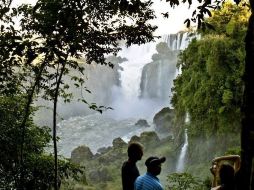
column 97, row 130
column 137, row 57
column 158, row 75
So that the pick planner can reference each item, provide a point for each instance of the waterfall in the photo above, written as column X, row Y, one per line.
column 127, row 102
column 181, row 160
column 98, row 131
column 178, row 41
column 159, row 78
column 130, row 76
column 145, row 85
column 158, row 75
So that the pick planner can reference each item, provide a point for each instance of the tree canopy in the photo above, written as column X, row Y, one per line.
column 36, row 54
column 210, row 88
column 38, row 165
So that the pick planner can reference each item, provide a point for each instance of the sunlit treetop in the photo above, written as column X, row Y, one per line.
column 90, row 26
column 203, row 10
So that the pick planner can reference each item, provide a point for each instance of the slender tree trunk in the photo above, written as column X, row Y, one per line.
column 23, row 124
column 54, row 141
column 246, row 180
column 58, row 82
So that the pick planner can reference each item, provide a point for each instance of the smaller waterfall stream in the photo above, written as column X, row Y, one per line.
column 181, row 160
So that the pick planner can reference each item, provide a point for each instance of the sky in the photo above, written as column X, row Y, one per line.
column 171, row 25
column 176, row 19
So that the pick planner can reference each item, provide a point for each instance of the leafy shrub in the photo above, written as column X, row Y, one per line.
column 184, row 181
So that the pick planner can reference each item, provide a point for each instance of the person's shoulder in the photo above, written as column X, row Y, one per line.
column 125, row 163
column 144, row 178
column 141, row 177
column 128, row 165
column 139, row 180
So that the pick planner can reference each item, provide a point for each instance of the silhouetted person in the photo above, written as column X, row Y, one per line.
column 149, row 181
column 227, row 178
column 129, row 169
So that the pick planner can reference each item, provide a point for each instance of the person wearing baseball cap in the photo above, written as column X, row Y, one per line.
column 150, row 181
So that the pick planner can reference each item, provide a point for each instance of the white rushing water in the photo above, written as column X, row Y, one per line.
column 96, row 130
column 127, row 103
column 138, row 56
column 181, row 160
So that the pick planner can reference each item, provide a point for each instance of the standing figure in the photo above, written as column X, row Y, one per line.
column 149, row 181
column 227, row 178
column 130, row 171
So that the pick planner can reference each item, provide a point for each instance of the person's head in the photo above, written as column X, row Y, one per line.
column 135, row 151
column 153, row 164
column 227, row 174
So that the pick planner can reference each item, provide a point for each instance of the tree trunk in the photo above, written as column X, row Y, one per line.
column 246, row 181
column 58, row 82
column 54, row 139
column 26, row 116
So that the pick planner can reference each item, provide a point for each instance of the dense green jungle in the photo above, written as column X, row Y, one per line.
column 207, row 98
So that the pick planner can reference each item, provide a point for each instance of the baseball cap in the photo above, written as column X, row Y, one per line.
column 154, row 161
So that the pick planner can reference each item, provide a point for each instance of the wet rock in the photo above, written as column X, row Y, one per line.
column 104, row 150
column 134, row 138
column 118, row 143
column 163, row 120
column 142, row 123
column 81, row 154
column 149, row 138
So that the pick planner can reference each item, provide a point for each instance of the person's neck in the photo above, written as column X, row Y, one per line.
column 152, row 173
column 132, row 160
